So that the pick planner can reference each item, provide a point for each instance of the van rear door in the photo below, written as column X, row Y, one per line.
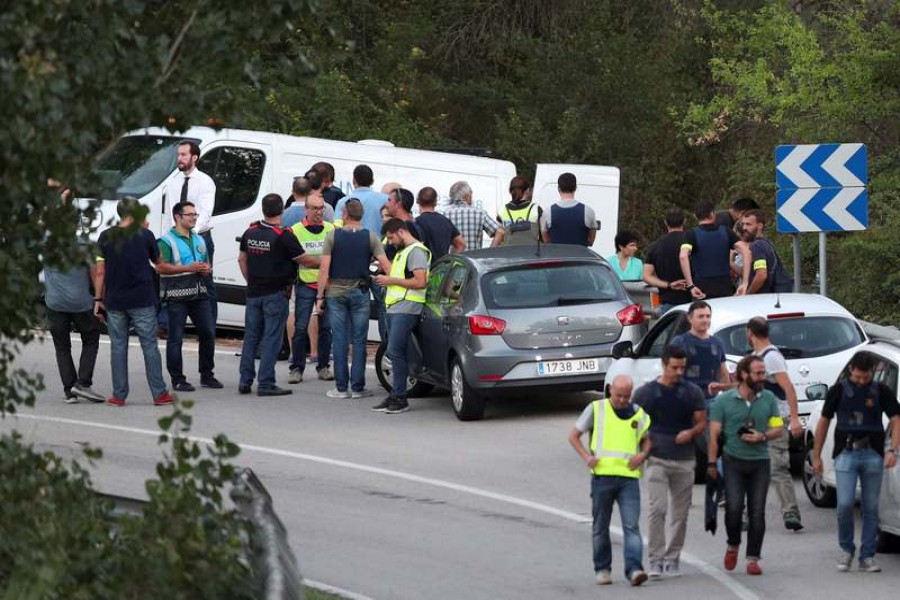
column 598, row 187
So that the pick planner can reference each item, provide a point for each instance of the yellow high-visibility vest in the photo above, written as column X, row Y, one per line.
column 396, row 293
column 615, row 441
column 313, row 244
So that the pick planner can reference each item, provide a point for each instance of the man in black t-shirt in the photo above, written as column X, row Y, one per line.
column 268, row 259
column 662, row 268
column 437, row 232
column 859, row 453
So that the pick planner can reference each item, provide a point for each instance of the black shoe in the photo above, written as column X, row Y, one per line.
column 397, row 406
column 384, row 405
column 273, row 391
column 211, row 382
column 244, row 389
column 183, row 386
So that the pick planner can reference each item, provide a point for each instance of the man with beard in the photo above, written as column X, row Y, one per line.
column 749, row 417
column 677, row 416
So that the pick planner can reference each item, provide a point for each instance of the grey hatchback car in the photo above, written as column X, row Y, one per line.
column 516, row 320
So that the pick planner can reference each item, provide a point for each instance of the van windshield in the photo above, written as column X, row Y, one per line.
column 136, row 164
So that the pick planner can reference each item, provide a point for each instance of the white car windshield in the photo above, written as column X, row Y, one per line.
column 799, row 337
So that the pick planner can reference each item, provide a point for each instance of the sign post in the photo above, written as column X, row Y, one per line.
column 821, row 188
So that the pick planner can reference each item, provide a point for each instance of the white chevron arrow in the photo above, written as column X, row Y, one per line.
column 790, row 210
column 835, row 165
column 837, row 209
column 790, row 166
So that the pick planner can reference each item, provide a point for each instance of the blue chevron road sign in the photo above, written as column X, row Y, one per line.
column 822, row 187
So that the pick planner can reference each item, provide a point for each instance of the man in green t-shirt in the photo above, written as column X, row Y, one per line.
column 749, row 417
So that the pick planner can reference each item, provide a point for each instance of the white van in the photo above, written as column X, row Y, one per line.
column 247, row 165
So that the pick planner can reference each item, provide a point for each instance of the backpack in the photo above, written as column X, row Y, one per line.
column 780, row 281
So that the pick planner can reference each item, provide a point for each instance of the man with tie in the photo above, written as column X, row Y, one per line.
column 193, row 185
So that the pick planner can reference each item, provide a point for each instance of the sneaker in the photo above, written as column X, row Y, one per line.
column 164, row 399
column 273, row 391
column 792, row 522
column 868, row 565
column 730, row 561
column 115, row 401
column 383, row 405
column 312, row 359
column 325, row 374
column 603, row 577
column 672, row 568
column 183, row 386
column 211, row 382
column 844, row 562
column 637, row 577
column 295, row 376
column 399, row 405
column 753, row 568
column 244, row 389
column 363, row 393
column 86, row 392
column 70, row 398
column 656, row 570
column 336, row 393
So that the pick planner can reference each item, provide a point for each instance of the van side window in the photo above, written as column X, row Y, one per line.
column 237, row 173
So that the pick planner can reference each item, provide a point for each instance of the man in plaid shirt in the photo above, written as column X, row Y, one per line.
column 471, row 220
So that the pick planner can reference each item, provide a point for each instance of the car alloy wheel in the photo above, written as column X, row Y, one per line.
column 819, row 493
column 467, row 403
column 384, row 372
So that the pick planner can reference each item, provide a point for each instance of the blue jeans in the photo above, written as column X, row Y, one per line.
column 264, row 321
column 626, row 491
column 867, row 466
column 305, row 300
column 400, row 327
column 349, row 318
column 144, row 322
column 750, row 479
column 201, row 317
column 378, row 293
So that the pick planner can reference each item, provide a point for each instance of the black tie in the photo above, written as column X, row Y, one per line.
column 184, row 189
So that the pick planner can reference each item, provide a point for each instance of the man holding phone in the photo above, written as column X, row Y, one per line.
column 750, row 417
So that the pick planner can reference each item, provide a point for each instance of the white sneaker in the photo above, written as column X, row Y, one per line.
column 844, row 562
column 868, row 565
column 71, row 399
column 326, row 374
column 336, row 393
column 295, row 376
column 86, row 392
column 363, row 393
column 656, row 570
column 603, row 577
column 637, row 577
column 672, row 568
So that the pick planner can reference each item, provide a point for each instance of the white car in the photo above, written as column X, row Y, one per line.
column 816, row 335
column 821, row 490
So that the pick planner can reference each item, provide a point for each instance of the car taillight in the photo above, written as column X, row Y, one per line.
column 632, row 315
column 482, row 325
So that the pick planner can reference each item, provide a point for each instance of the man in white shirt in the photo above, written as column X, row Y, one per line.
column 193, row 185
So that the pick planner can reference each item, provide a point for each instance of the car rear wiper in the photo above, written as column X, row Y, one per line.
column 563, row 300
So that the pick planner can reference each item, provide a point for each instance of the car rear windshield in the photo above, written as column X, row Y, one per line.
column 550, row 284
column 802, row 337
column 136, row 164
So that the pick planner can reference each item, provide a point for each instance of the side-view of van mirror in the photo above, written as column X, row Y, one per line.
column 622, row 350
column 817, row 391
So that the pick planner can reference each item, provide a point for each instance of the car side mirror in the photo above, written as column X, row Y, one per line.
column 622, row 350
column 816, row 392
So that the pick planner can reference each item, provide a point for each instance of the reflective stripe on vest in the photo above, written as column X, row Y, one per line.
column 396, row 293
column 313, row 244
column 615, row 441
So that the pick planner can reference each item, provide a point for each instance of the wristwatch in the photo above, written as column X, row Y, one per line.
column 894, row 451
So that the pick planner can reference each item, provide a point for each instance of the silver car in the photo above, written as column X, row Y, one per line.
column 516, row 320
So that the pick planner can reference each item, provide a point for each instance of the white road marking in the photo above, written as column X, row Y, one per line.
column 738, row 589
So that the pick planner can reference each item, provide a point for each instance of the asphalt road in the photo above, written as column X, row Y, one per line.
column 420, row 505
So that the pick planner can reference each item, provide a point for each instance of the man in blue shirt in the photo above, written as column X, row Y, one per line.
column 371, row 201
column 705, row 353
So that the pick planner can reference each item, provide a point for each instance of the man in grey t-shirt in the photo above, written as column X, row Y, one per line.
column 69, row 303
column 405, row 300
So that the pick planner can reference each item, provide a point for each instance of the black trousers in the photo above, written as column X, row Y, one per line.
column 60, row 329
column 210, row 285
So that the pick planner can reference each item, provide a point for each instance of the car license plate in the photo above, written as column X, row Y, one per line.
column 568, row 367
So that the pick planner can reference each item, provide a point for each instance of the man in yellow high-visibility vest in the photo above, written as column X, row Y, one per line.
column 619, row 446
column 404, row 299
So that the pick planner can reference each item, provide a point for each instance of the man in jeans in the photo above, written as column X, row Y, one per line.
column 779, row 383
column 345, row 283
column 404, row 299
column 859, row 454
column 749, row 417
column 619, row 447
column 185, row 253
column 677, row 411
column 123, row 279
column 269, row 255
